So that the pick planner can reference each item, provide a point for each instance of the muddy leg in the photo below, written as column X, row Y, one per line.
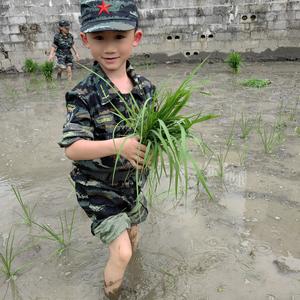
column 69, row 72
column 133, row 233
column 120, row 255
column 59, row 72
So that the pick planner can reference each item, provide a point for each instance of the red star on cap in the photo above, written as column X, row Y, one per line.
column 104, row 8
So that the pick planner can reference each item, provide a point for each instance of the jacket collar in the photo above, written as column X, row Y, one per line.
column 107, row 91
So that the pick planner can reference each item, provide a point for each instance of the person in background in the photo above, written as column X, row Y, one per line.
column 62, row 45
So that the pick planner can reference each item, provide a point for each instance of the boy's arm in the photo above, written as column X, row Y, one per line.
column 78, row 136
column 52, row 53
column 54, row 47
column 75, row 52
column 129, row 148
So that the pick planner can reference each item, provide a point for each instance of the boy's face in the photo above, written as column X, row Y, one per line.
column 111, row 49
column 64, row 29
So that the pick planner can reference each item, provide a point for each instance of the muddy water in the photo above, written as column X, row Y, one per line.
column 191, row 249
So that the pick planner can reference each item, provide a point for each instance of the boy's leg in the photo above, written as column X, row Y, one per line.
column 69, row 72
column 60, row 65
column 133, row 233
column 120, row 254
column 59, row 72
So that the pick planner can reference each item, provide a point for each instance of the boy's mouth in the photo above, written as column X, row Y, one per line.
column 110, row 59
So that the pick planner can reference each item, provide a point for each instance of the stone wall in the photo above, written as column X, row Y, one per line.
column 173, row 30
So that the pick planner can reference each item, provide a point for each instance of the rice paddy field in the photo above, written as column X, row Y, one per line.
column 243, row 244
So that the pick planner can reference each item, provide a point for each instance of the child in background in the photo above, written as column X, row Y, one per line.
column 62, row 45
column 93, row 134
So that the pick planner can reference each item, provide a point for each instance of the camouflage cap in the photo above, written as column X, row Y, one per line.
column 121, row 15
column 64, row 23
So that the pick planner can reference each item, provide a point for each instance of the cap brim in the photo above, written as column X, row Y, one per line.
column 106, row 26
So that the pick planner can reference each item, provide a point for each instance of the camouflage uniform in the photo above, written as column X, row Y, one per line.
column 63, row 45
column 112, row 204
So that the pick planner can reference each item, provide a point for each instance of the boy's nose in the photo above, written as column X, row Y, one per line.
column 110, row 48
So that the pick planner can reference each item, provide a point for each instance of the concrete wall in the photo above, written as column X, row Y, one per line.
column 174, row 30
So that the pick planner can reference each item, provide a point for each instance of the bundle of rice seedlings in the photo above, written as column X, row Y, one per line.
column 165, row 131
column 31, row 66
column 234, row 60
column 47, row 69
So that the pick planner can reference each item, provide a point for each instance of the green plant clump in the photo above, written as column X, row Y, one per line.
column 234, row 61
column 47, row 69
column 256, row 83
column 165, row 131
column 31, row 66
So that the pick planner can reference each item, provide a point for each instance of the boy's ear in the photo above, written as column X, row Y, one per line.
column 137, row 37
column 84, row 39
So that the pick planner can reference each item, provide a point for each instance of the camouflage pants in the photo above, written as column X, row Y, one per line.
column 111, row 209
column 64, row 60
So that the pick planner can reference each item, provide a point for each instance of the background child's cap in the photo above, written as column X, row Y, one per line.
column 64, row 23
column 121, row 15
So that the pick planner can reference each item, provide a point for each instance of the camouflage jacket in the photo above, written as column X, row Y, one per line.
column 90, row 116
column 63, row 43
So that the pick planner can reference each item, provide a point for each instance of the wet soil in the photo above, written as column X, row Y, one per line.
column 194, row 248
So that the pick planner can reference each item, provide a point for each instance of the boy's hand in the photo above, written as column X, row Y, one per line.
column 132, row 150
column 51, row 57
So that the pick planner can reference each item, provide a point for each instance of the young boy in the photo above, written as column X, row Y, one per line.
column 93, row 135
column 62, row 45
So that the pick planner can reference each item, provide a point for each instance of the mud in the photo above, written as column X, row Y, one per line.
column 190, row 249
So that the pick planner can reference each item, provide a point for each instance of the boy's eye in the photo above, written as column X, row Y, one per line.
column 120, row 37
column 99, row 38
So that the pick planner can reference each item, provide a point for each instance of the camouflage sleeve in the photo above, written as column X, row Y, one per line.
column 78, row 123
column 55, row 41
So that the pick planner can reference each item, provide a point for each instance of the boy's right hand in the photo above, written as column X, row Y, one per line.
column 132, row 150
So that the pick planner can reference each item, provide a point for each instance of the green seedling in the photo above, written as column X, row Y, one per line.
column 271, row 136
column 243, row 154
column 234, row 61
column 27, row 211
column 246, row 125
column 294, row 111
column 256, row 83
column 223, row 152
column 7, row 258
column 64, row 236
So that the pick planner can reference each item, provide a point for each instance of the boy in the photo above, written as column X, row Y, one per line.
column 62, row 45
column 93, row 134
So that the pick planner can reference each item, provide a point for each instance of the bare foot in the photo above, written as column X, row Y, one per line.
column 112, row 290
